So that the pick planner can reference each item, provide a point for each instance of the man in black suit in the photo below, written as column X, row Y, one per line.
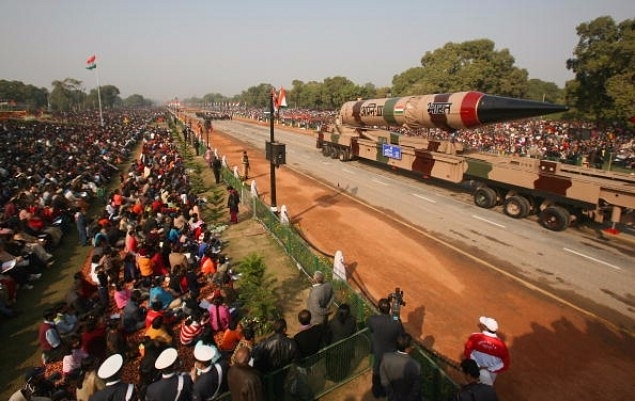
column 400, row 373
column 310, row 338
column 110, row 372
column 384, row 331
column 173, row 385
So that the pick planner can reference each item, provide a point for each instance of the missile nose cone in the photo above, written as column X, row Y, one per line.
column 492, row 109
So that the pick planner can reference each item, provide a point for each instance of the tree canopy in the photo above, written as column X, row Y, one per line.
column 603, row 63
column 471, row 65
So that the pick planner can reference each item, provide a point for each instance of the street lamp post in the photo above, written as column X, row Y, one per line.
column 272, row 166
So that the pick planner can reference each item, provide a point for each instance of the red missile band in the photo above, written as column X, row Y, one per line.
column 469, row 115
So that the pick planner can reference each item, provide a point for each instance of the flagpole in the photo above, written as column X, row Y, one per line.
column 101, row 116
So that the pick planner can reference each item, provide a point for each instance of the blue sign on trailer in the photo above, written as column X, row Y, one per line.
column 391, row 151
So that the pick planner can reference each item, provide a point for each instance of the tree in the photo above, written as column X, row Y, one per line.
column 25, row 96
column 603, row 60
column 67, row 95
column 544, row 91
column 136, row 101
column 471, row 65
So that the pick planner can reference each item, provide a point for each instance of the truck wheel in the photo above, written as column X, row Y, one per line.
column 485, row 197
column 555, row 218
column 335, row 153
column 516, row 206
column 325, row 150
column 345, row 155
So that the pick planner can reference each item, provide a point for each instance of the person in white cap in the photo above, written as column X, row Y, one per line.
column 173, row 385
column 110, row 372
column 209, row 373
column 488, row 350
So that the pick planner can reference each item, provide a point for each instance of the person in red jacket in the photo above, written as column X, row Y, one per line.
column 488, row 350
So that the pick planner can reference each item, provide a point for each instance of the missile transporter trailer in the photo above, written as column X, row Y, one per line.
column 558, row 193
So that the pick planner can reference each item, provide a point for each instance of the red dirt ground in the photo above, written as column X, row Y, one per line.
column 557, row 352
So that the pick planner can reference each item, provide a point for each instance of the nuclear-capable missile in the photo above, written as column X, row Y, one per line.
column 447, row 111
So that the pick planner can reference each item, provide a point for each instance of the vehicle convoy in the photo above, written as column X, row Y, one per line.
column 560, row 194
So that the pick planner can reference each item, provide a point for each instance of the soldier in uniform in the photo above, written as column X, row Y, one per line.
column 173, row 385
column 209, row 373
column 110, row 372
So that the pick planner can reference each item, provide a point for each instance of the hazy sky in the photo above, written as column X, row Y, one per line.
column 162, row 49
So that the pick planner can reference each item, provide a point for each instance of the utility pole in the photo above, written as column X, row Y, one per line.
column 272, row 166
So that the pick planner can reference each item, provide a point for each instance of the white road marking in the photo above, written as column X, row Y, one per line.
column 488, row 221
column 351, row 172
column 379, row 182
column 592, row 258
column 424, row 198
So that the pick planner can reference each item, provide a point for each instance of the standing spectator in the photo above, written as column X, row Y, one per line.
column 209, row 373
column 488, row 350
column 115, row 389
column 384, row 332
column 275, row 352
column 245, row 162
column 243, row 380
column 216, row 168
column 341, row 326
column 474, row 390
column 82, row 226
column 310, row 337
column 400, row 373
column 321, row 297
column 173, row 385
column 233, row 199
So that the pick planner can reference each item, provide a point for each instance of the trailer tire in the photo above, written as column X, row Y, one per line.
column 325, row 150
column 345, row 155
column 517, row 207
column 335, row 153
column 555, row 218
column 485, row 197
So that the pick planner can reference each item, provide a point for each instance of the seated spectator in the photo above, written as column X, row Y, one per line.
column 72, row 361
column 167, row 297
column 158, row 331
column 219, row 316
column 121, row 295
column 93, row 337
column 134, row 316
column 193, row 326
column 230, row 338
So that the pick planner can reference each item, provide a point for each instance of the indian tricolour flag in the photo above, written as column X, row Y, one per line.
column 398, row 109
column 90, row 62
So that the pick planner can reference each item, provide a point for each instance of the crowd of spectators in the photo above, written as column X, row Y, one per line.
column 572, row 142
column 156, row 283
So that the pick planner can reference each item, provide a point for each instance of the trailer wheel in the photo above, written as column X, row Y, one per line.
column 335, row 153
column 516, row 206
column 325, row 150
column 345, row 154
column 555, row 218
column 485, row 197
